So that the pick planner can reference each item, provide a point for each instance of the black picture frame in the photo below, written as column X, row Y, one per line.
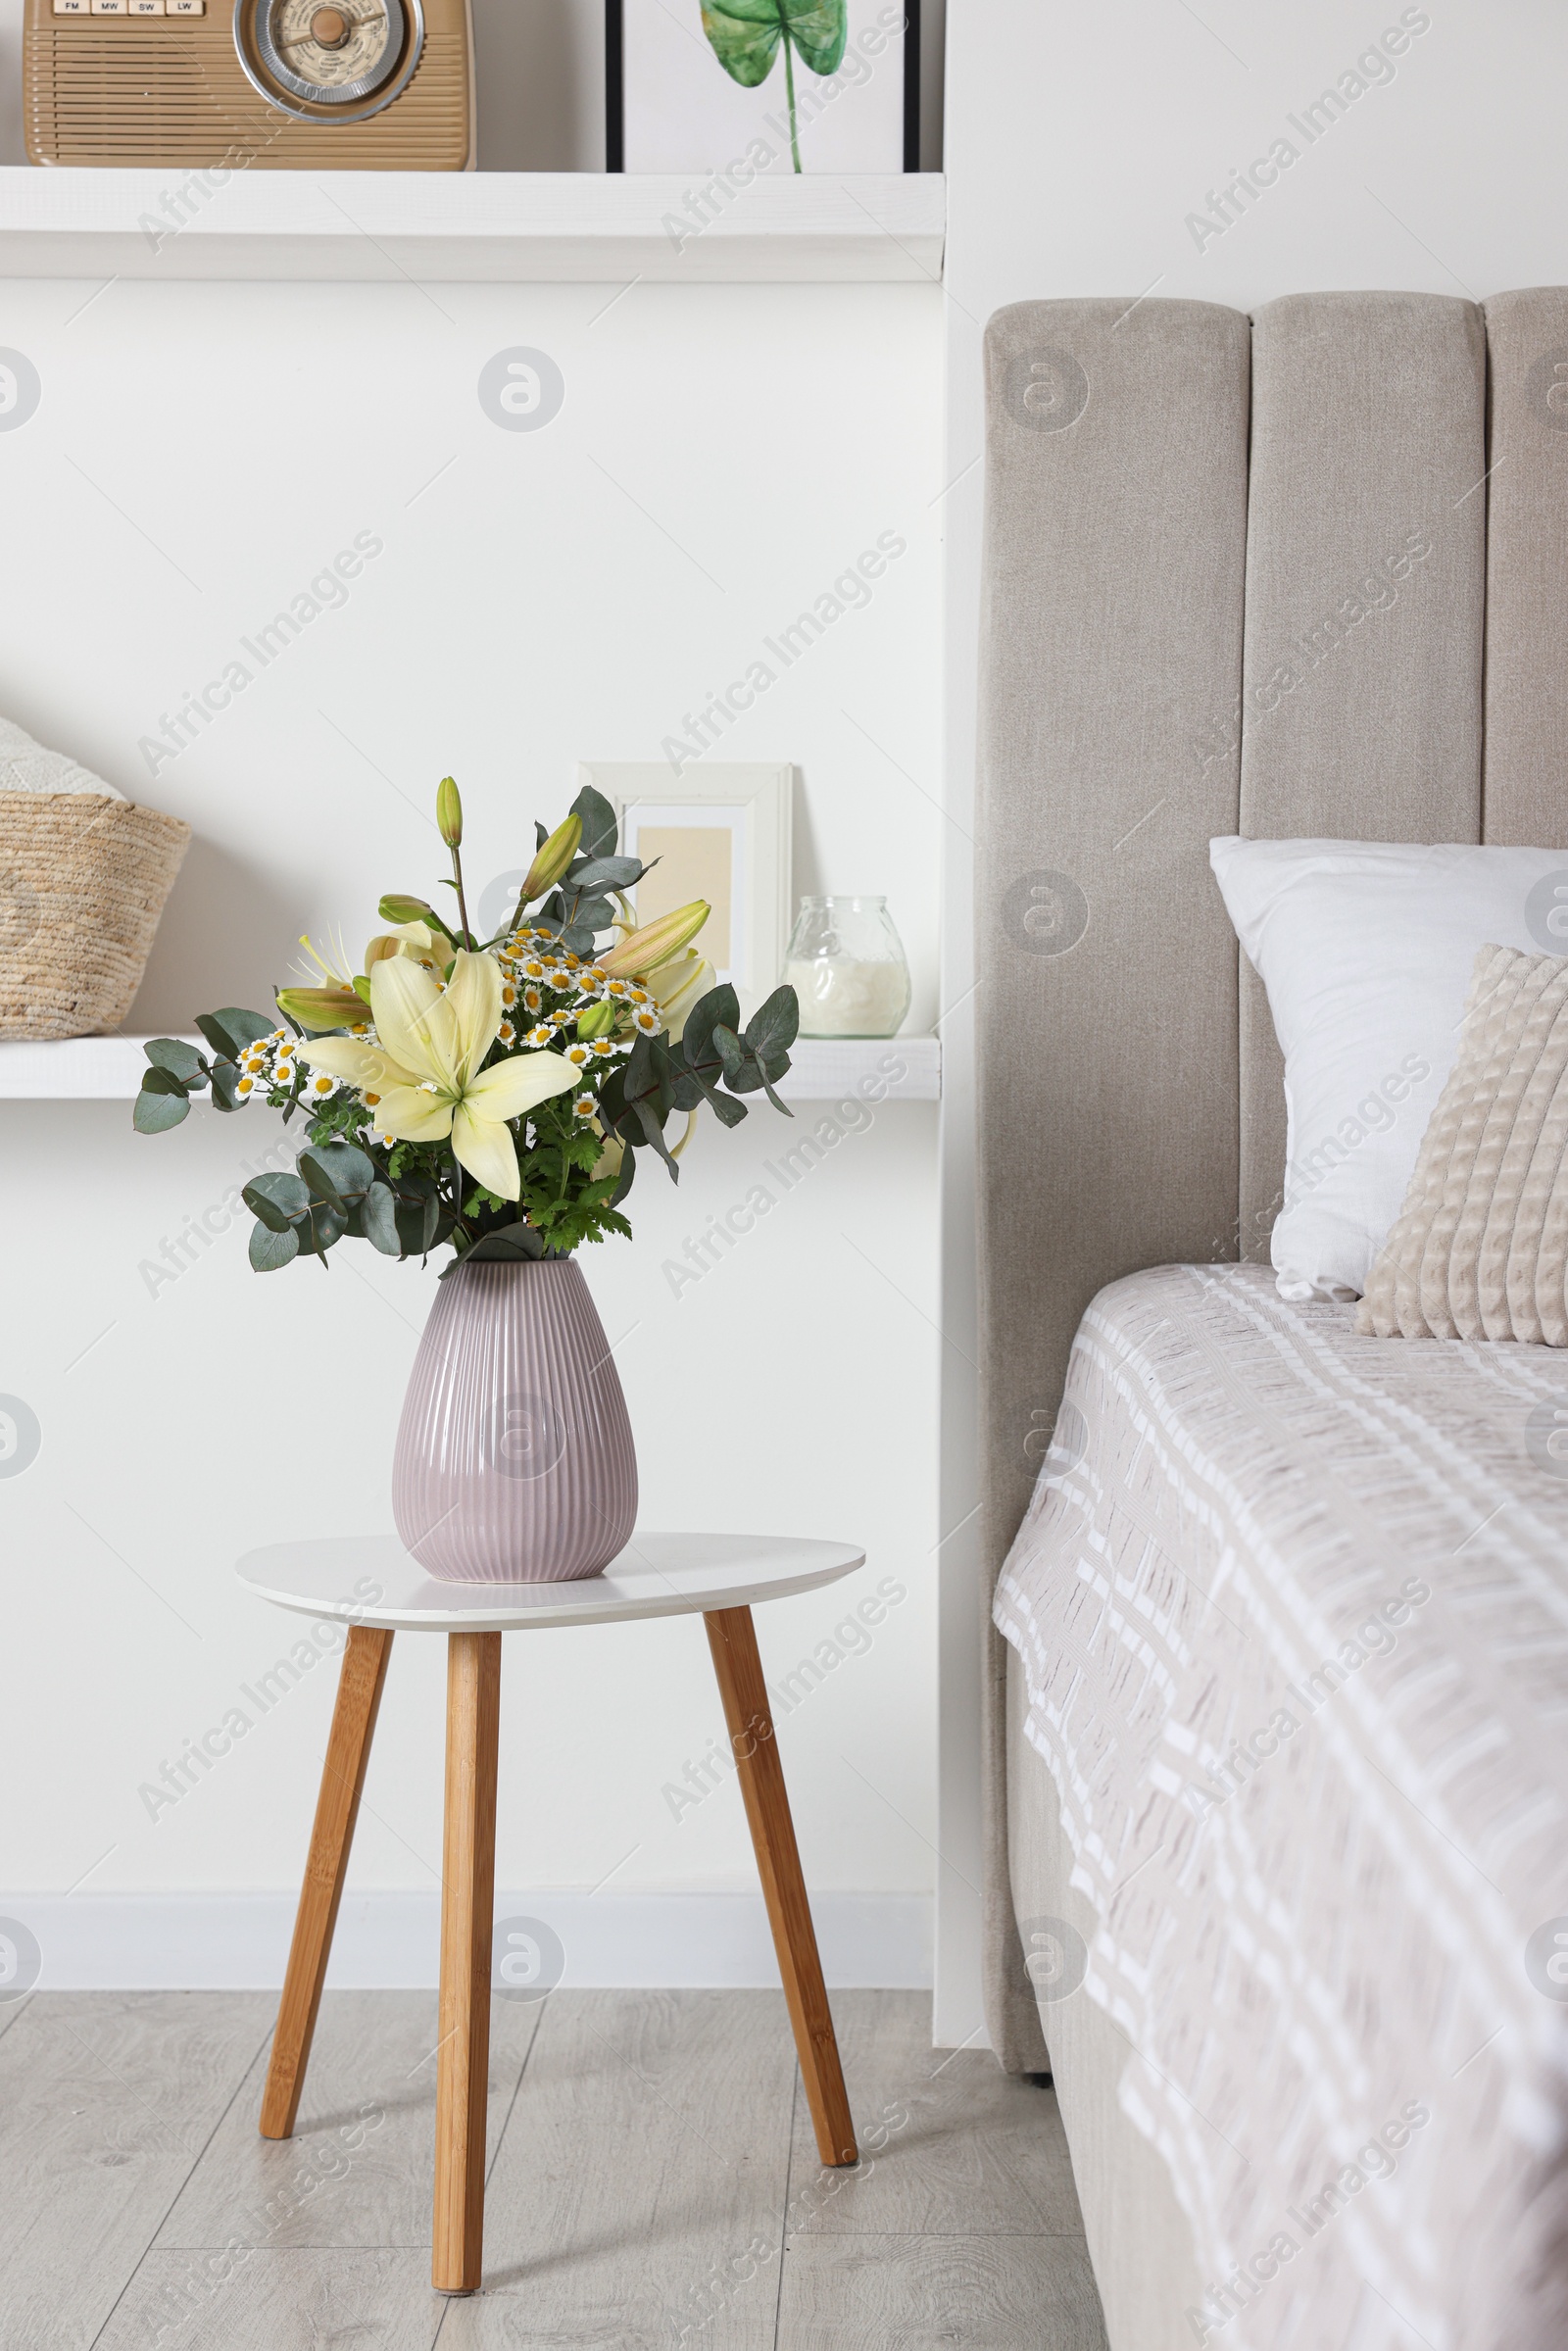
column 615, row 87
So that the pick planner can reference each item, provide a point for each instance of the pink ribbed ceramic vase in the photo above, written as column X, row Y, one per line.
column 515, row 1462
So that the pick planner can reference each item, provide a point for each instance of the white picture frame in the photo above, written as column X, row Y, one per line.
column 738, row 819
column 675, row 109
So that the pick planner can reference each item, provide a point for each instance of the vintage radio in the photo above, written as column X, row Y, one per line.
column 352, row 85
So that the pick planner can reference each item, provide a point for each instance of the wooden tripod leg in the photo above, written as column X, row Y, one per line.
column 468, row 1906
column 348, row 1749
column 733, row 1639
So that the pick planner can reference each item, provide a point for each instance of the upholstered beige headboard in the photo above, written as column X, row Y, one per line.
column 1304, row 573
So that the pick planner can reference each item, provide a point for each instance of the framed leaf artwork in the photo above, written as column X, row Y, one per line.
column 742, row 88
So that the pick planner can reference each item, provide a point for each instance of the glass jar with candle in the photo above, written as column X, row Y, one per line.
column 846, row 963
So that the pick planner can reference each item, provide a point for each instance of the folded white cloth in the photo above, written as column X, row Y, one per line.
column 26, row 766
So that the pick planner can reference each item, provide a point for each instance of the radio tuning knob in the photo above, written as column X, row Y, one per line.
column 330, row 28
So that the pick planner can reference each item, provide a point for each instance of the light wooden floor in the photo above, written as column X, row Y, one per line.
column 652, row 2183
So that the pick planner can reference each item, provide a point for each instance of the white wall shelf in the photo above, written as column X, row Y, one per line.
column 901, row 1070
column 822, row 1069
column 496, row 227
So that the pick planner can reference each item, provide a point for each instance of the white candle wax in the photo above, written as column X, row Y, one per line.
column 843, row 998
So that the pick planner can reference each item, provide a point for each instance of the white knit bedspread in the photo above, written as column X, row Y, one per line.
column 1307, row 1949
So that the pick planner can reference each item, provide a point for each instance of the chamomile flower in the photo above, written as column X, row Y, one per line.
column 244, row 1088
column 542, row 1035
column 579, row 1055
column 604, row 1047
column 507, row 1033
column 586, row 1106
column 532, row 1000
column 648, row 1022
column 322, row 1086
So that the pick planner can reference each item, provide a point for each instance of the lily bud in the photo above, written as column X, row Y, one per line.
column 321, row 1009
column 597, row 1021
column 655, row 941
column 396, row 907
column 553, row 858
column 449, row 812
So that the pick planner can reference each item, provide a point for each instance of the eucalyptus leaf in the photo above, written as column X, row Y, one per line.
column 156, row 1113
column 606, row 873
column 772, row 1029
column 626, row 1178
column 509, row 1243
column 163, row 1081
column 691, row 1090
column 321, row 1227
column 582, row 912
column 418, row 1212
column 269, row 1250
column 377, row 1222
column 720, row 1005
column 233, row 1029
column 280, row 1201
column 225, row 1077
column 647, row 1075
column 653, row 1133
column 179, row 1060
column 319, row 1179
column 600, row 829
column 726, row 1109
column 339, row 1173
column 733, row 1056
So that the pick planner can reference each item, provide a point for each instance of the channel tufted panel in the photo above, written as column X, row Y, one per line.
column 1361, row 709
column 1525, row 796
column 1110, row 671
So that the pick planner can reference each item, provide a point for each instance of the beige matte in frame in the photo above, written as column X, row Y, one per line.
column 750, row 927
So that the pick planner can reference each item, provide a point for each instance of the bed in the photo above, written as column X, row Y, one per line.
column 1276, row 1690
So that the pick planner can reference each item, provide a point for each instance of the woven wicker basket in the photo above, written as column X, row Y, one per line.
column 83, row 878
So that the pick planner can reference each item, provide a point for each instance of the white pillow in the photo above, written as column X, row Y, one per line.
column 1366, row 949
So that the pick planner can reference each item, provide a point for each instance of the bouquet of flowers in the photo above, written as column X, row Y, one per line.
column 490, row 1093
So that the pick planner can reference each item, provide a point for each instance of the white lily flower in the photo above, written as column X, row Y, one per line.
column 415, row 939
column 678, row 985
column 426, row 1080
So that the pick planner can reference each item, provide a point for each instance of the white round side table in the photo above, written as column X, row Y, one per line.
column 372, row 1584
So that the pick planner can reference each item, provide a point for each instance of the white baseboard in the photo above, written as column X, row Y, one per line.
column 390, row 1941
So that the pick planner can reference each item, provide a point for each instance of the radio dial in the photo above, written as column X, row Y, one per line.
column 354, row 56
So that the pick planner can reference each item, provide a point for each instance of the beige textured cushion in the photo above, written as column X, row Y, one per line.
column 1480, row 1249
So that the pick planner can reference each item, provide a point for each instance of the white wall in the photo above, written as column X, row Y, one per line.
column 199, row 455
column 1077, row 141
